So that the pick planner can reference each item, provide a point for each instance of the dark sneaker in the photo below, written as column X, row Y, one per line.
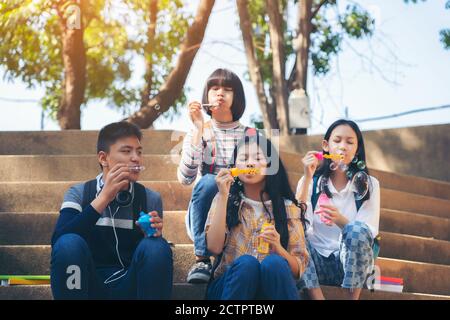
column 200, row 272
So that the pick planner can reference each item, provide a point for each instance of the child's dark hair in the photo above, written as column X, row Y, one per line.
column 277, row 187
column 324, row 169
column 112, row 132
column 227, row 78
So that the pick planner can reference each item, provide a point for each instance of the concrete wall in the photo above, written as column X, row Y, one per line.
column 418, row 151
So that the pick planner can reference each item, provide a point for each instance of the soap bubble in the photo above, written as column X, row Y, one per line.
column 361, row 184
column 361, row 165
column 343, row 166
column 333, row 166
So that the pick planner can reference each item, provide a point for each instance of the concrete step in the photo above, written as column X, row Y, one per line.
column 47, row 196
column 404, row 201
column 76, row 142
column 36, row 260
column 185, row 291
column 37, row 228
column 413, row 248
column 389, row 180
column 418, row 277
column 414, row 224
column 77, row 168
column 164, row 167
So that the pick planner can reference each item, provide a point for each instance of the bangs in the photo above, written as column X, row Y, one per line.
column 221, row 78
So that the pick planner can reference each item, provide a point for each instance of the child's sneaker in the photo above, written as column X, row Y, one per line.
column 200, row 272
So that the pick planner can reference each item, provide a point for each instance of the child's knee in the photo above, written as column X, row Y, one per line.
column 274, row 263
column 154, row 248
column 70, row 246
column 356, row 232
column 247, row 264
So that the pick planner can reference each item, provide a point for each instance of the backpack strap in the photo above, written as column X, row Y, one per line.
column 314, row 195
column 89, row 192
column 140, row 200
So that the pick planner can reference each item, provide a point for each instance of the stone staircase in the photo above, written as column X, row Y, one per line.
column 38, row 167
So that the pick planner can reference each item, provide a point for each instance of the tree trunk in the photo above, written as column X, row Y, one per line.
column 254, row 67
column 173, row 86
column 304, row 41
column 148, row 52
column 278, row 65
column 74, row 59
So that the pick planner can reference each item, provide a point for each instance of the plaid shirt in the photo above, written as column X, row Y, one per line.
column 227, row 136
column 242, row 239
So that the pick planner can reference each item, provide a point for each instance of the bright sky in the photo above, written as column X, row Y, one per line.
column 410, row 70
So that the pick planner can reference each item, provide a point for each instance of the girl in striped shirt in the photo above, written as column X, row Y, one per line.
column 207, row 148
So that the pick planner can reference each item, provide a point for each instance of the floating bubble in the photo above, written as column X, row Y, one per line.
column 349, row 174
column 355, row 160
column 333, row 166
column 342, row 166
column 157, row 107
column 361, row 165
column 361, row 184
column 236, row 203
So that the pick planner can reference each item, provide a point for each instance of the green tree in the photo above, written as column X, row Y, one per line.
column 270, row 43
column 444, row 33
column 83, row 50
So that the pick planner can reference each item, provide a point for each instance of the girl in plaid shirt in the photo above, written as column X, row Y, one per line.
column 233, row 230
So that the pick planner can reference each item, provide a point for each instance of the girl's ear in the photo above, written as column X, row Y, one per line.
column 102, row 158
column 325, row 146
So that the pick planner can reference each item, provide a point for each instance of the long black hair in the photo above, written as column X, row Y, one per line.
column 324, row 169
column 276, row 186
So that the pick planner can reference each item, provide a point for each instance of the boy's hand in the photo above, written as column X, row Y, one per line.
column 156, row 222
column 224, row 179
column 116, row 180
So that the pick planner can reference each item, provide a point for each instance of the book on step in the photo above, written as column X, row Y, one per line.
column 7, row 280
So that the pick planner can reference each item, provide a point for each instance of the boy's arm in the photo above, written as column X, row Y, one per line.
column 74, row 219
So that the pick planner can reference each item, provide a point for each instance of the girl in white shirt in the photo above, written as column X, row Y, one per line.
column 341, row 236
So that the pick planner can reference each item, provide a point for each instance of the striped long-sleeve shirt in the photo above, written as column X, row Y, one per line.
column 227, row 135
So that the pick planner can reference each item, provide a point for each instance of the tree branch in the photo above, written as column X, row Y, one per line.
column 317, row 8
column 148, row 52
column 278, row 65
column 254, row 66
column 173, row 86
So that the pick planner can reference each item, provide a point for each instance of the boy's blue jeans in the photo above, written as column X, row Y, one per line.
column 202, row 197
column 149, row 275
column 246, row 278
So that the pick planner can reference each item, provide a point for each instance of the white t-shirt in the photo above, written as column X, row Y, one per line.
column 326, row 239
column 257, row 205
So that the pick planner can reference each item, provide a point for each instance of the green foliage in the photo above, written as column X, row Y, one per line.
column 445, row 33
column 31, row 48
column 326, row 37
column 326, row 40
